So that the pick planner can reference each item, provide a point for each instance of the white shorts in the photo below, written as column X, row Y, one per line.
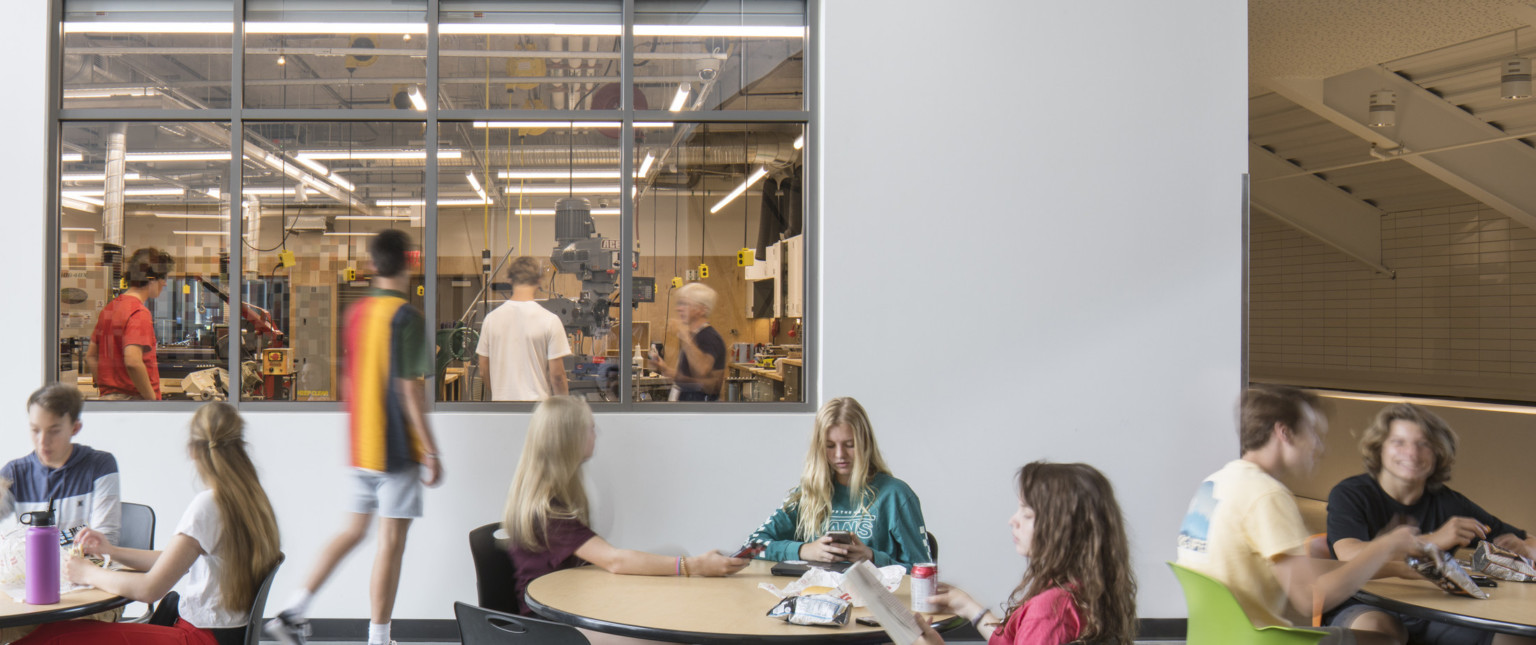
column 394, row 494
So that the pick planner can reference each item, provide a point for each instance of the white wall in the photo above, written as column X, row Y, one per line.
column 1069, row 175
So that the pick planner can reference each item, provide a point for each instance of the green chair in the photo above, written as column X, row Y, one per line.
column 1215, row 618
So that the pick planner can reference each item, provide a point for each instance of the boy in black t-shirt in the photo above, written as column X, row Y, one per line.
column 1408, row 453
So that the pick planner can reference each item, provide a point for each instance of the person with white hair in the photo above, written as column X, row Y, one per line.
column 700, row 368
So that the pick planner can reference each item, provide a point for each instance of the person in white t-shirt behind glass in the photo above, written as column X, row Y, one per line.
column 523, row 345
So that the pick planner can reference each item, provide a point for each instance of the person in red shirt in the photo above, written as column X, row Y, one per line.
column 121, row 355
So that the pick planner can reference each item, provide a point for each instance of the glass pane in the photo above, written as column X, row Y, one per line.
column 144, row 221
column 546, row 194
column 314, row 194
column 721, row 212
column 720, row 54
column 167, row 55
column 496, row 55
column 336, row 54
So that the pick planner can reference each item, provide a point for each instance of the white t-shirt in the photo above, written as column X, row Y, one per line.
column 521, row 338
column 1239, row 522
column 202, row 603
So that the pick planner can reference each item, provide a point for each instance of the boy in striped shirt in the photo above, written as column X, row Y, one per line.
column 393, row 450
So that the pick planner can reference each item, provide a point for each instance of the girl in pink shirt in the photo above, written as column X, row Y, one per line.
column 1078, row 584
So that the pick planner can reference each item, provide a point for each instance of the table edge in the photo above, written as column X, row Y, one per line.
column 1463, row 620
column 77, row 611
column 708, row 638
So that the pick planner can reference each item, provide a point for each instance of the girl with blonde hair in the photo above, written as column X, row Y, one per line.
column 846, row 488
column 225, row 544
column 547, row 515
column 1078, row 585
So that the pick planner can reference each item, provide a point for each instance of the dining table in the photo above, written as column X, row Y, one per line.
column 728, row 609
column 1509, row 609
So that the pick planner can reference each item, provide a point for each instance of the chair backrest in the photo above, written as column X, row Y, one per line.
column 933, row 546
column 494, row 572
column 481, row 626
column 166, row 613
column 259, row 603
column 138, row 528
column 1215, row 618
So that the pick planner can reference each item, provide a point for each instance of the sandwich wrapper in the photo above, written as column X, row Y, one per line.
column 1502, row 564
column 889, row 576
column 1440, row 568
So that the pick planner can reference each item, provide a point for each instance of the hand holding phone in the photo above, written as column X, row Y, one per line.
column 748, row 551
column 840, row 537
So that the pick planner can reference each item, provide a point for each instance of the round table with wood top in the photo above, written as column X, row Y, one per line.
column 1510, row 608
column 75, row 604
column 731, row 609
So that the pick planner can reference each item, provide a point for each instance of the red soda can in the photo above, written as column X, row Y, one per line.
column 925, row 583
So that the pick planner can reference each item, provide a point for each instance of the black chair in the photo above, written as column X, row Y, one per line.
column 933, row 546
column 250, row 634
column 494, row 573
column 480, row 626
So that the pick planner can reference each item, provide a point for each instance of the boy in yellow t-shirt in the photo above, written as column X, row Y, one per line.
column 1244, row 529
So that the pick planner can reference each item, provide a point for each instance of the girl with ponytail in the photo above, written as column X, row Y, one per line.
column 225, row 543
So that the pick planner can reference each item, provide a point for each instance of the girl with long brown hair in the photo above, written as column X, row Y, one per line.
column 1078, row 585
column 225, row 544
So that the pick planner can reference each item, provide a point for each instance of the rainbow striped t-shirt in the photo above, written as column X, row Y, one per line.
column 384, row 340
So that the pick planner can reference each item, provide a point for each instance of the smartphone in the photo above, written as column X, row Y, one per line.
column 841, row 537
column 748, row 551
column 867, row 620
column 661, row 350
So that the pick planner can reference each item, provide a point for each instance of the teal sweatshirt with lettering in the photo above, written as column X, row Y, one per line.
column 891, row 524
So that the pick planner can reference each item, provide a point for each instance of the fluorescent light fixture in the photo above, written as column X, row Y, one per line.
column 557, row 174
column 473, row 28
column 654, row 124
column 417, row 100
column 475, row 183
column 440, row 202
column 268, row 191
column 376, row 218
column 757, row 175
column 108, row 92
column 85, row 197
column 350, row 234
column 186, row 215
column 342, row 181
column 338, row 28
column 800, row 142
column 77, row 229
column 330, row 155
column 72, row 157
column 727, row 31
column 177, row 156
column 131, row 192
column 313, row 165
column 562, row 190
column 532, row 125
column 86, row 176
column 645, row 166
column 681, row 98
column 148, row 27
column 551, row 211
column 201, row 232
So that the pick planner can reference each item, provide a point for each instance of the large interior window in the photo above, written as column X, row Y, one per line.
column 649, row 164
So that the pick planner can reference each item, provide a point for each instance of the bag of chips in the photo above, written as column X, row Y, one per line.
column 1440, row 568
column 820, row 610
column 1502, row 564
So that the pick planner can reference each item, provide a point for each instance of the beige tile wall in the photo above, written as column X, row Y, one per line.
column 1459, row 319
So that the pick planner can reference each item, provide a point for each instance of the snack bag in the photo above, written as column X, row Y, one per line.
column 1502, row 564
column 820, row 610
column 1440, row 568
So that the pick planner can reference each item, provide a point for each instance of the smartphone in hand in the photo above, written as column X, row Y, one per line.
column 840, row 537
column 748, row 551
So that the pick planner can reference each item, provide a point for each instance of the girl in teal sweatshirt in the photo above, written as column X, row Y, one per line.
column 846, row 487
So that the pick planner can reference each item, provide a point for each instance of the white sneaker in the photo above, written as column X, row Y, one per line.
column 288, row 629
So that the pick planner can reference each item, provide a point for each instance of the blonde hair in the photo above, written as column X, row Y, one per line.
column 547, row 483
column 1442, row 440
column 250, row 545
column 698, row 293
column 813, row 499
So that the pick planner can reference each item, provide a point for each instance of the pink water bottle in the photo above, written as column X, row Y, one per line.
column 42, row 557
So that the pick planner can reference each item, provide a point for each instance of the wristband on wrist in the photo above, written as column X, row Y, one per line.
column 976, row 620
